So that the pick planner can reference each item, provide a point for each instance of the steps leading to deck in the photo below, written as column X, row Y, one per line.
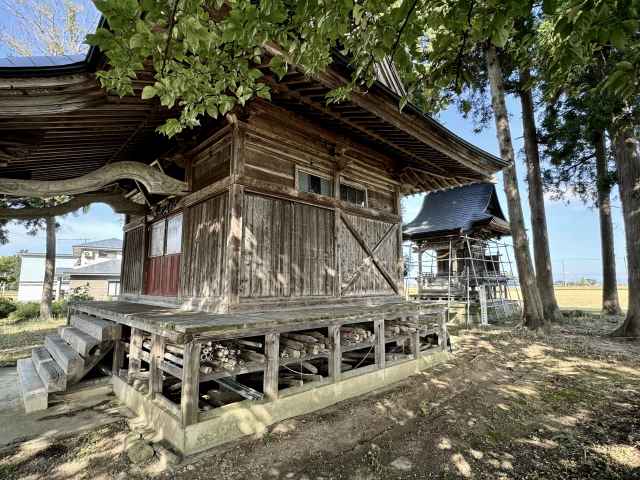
column 81, row 342
column 65, row 358
column 34, row 392
column 101, row 330
column 49, row 371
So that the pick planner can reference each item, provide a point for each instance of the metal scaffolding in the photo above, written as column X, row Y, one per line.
column 465, row 270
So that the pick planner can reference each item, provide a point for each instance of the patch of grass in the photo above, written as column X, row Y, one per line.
column 16, row 340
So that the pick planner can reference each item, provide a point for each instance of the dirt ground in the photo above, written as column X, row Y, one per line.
column 508, row 405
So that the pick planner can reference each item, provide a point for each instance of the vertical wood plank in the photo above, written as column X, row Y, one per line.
column 380, row 351
column 444, row 334
column 335, row 353
column 190, row 383
column 155, row 374
column 272, row 352
column 143, row 269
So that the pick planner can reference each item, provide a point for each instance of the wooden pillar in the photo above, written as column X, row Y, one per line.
column 419, row 270
column 337, row 285
column 335, row 353
column 135, row 346
column 118, row 357
column 380, row 350
column 145, row 246
column 156, row 356
column 415, row 339
column 400, row 271
column 272, row 366
column 233, row 249
column 443, row 331
column 190, row 383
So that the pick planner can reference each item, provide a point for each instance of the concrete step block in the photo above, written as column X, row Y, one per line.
column 81, row 342
column 34, row 392
column 101, row 330
column 49, row 371
column 71, row 363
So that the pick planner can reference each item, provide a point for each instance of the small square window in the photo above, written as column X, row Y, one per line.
column 308, row 182
column 354, row 195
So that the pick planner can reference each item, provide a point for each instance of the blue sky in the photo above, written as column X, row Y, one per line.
column 573, row 227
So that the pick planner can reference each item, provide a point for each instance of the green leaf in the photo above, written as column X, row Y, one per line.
column 149, row 92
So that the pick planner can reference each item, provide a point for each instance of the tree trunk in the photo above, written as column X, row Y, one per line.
column 610, row 303
column 532, row 305
column 542, row 257
column 628, row 165
column 49, row 270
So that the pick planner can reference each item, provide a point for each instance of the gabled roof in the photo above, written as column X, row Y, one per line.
column 110, row 267
column 107, row 244
column 458, row 211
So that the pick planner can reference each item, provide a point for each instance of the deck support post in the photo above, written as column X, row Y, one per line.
column 272, row 366
column 135, row 345
column 444, row 334
column 156, row 356
column 190, row 383
column 118, row 357
column 380, row 350
column 335, row 353
column 415, row 341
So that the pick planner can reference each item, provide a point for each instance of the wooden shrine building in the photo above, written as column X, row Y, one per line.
column 262, row 264
column 454, row 237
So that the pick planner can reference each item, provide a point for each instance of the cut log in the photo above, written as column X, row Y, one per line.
column 34, row 392
column 101, row 330
column 69, row 361
column 81, row 342
column 310, row 367
column 49, row 371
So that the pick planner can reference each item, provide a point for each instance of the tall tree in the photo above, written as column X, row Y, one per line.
column 542, row 256
column 575, row 42
column 575, row 142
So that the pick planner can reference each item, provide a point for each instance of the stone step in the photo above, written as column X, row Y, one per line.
column 49, row 371
column 34, row 392
column 71, row 363
column 101, row 330
column 81, row 342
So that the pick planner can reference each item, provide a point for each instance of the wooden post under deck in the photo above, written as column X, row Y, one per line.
column 190, row 383
column 272, row 366
column 135, row 346
column 156, row 356
column 380, row 350
column 335, row 355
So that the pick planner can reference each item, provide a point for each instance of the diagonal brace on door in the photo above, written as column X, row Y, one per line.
column 371, row 257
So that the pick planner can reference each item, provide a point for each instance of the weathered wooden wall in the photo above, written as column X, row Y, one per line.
column 287, row 249
column 212, row 163
column 133, row 258
column 204, row 231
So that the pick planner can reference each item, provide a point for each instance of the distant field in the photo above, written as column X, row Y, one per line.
column 579, row 298
column 586, row 298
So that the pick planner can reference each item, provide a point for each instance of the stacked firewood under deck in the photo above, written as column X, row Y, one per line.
column 188, row 364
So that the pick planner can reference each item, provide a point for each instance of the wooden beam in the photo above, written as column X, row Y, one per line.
column 155, row 181
column 335, row 353
column 380, row 349
column 190, row 384
column 272, row 366
column 157, row 356
column 114, row 200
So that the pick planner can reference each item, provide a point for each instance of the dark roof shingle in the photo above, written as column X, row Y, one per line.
column 456, row 210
